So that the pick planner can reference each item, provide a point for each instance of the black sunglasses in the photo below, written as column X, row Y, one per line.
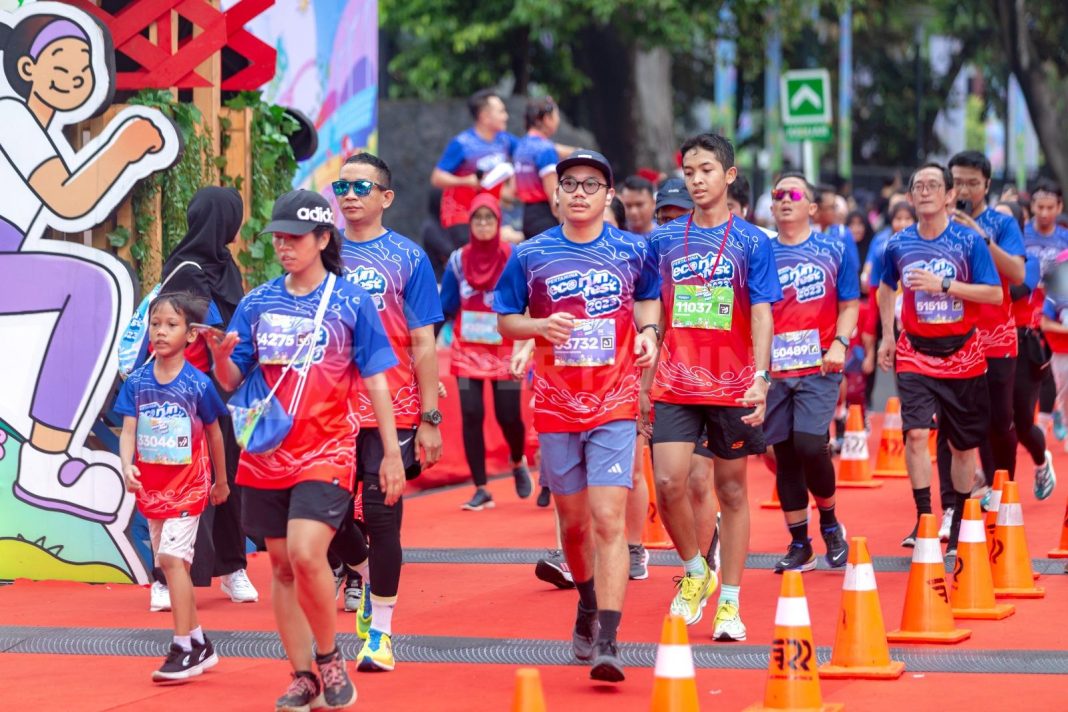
column 362, row 187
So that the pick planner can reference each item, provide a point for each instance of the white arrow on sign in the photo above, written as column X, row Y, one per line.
column 806, row 94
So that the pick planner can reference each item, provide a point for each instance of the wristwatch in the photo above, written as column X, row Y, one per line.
column 766, row 375
column 946, row 281
column 433, row 417
column 843, row 341
column 654, row 327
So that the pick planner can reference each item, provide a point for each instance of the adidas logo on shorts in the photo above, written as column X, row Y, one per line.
column 615, row 469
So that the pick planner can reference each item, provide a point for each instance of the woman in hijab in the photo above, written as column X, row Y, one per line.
column 479, row 353
column 214, row 216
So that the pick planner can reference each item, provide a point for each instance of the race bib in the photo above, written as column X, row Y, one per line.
column 279, row 336
column 592, row 343
column 938, row 308
column 480, row 328
column 795, row 350
column 700, row 306
column 164, row 441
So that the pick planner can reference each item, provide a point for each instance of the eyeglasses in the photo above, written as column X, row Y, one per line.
column 484, row 219
column 795, row 194
column 589, row 186
column 362, row 188
column 928, row 187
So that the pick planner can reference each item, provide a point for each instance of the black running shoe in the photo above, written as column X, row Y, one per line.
column 799, row 557
column 584, row 635
column 523, row 483
column 206, row 657
column 837, row 546
column 607, row 666
column 544, row 497
column 179, row 665
column 338, row 690
column 910, row 540
column 553, row 569
column 482, row 500
column 303, row 694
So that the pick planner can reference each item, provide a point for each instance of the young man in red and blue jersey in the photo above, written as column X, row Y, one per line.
column 946, row 273
column 587, row 293
column 718, row 283
column 820, row 284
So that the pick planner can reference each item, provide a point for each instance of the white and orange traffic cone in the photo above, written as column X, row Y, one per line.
column 675, row 687
column 528, row 695
column 860, row 647
column 972, row 595
column 991, row 517
column 890, row 458
column 1010, row 562
column 1061, row 552
column 853, row 467
column 654, row 535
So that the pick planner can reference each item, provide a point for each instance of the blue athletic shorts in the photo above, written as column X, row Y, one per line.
column 601, row 457
column 804, row 405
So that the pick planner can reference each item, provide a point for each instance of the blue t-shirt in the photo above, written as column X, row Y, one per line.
column 171, row 452
column 874, row 259
column 1045, row 247
column 535, row 156
column 466, row 154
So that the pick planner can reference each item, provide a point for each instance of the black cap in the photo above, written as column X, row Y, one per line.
column 673, row 192
column 586, row 157
column 299, row 212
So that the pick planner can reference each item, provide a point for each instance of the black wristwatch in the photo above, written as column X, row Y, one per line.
column 433, row 417
column 946, row 282
column 654, row 327
column 843, row 341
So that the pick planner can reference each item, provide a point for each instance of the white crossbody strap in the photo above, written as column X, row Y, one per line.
column 312, row 340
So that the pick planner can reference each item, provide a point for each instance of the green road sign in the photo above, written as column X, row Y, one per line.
column 806, row 105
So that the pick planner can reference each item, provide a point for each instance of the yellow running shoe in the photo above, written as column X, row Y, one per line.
column 363, row 614
column 693, row 593
column 728, row 625
column 376, row 655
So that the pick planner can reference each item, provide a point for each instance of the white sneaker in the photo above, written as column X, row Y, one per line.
column 947, row 524
column 62, row 483
column 159, row 597
column 239, row 588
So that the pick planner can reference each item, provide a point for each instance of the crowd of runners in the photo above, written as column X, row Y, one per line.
column 631, row 313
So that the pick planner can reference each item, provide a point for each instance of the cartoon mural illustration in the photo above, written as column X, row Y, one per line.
column 63, row 508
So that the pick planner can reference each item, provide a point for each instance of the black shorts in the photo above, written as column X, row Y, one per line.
column 266, row 512
column 961, row 404
column 728, row 437
column 369, row 452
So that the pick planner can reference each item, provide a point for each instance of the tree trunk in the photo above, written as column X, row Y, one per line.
column 1041, row 90
column 651, row 108
column 603, row 106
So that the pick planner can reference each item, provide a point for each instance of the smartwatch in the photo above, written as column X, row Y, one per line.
column 433, row 417
column 843, row 341
column 946, row 281
column 765, row 375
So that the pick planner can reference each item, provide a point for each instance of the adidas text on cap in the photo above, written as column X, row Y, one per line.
column 298, row 212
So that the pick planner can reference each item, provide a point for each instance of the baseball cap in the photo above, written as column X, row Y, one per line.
column 586, row 157
column 298, row 212
column 673, row 192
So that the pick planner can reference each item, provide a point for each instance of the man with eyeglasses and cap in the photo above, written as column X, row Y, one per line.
column 587, row 293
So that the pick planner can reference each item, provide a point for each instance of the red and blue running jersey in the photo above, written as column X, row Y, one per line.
column 706, row 357
column 997, row 326
column 958, row 253
column 397, row 274
column 172, row 453
column 1045, row 249
column 535, row 156
column 478, row 349
column 465, row 155
column 592, row 379
column 1056, row 308
column 815, row 276
column 321, row 445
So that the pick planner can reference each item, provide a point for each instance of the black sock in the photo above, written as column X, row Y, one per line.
column 587, row 596
column 799, row 531
column 609, row 622
column 958, row 514
column 922, row 497
column 827, row 518
column 321, row 658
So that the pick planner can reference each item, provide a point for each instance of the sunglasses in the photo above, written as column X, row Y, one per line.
column 362, row 188
column 795, row 194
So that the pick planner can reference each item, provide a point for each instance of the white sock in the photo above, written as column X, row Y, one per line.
column 382, row 613
column 197, row 634
column 695, row 566
column 184, row 642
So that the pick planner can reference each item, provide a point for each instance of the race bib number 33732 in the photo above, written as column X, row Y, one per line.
column 592, row 343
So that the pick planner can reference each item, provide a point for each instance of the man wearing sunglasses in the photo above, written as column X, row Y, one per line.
column 718, row 284
column 587, row 293
column 813, row 322
column 397, row 274
column 946, row 273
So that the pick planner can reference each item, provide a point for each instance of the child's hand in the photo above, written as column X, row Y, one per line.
column 133, row 478
column 220, row 492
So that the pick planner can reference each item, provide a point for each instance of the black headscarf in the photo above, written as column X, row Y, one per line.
column 214, row 220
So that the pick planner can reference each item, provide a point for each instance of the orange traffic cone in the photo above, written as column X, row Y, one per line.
column 793, row 681
column 927, row 617
column 1061, row 552
column 890, row 460
column 675, row 688
column 860, row 648
column 528, row 695
column 1010, row 563
column 853, row 468
column 654, row 535
column 1000, row 478
column 972, row 594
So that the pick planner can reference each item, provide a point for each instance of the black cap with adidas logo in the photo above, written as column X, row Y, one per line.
column 298, row 212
